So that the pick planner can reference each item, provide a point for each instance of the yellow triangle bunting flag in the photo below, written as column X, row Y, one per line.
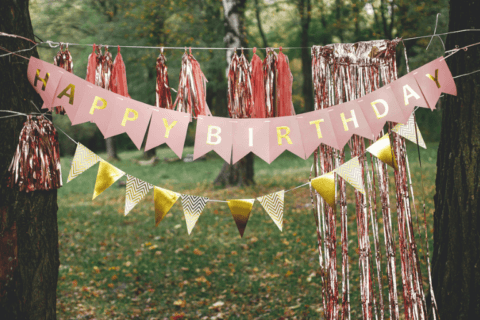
column 352, row 173
column 382, row 150
column 241, row 209
column 325, row 186
column 106, row 176
column 192, row 209
column 273, row 203
column 136, row 190
column 164, row 200
column 83, row 159
column 408, row 131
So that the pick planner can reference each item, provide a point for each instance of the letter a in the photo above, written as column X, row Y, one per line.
column 407, row 96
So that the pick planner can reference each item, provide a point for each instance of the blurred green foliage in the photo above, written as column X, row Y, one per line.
column 200, row 24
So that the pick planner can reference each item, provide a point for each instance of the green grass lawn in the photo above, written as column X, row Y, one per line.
column 117, row 267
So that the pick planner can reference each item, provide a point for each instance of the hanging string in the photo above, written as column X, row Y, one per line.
column 54, row 44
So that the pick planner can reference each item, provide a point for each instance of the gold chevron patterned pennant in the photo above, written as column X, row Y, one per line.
column 273, row 203
column 382, row 149
column 241, row 209
column 136, row 190
column 408, row 131
column 164, row 200
column 192, row 209
column 106, row 176
column 325, row 186
column 83, row 159
column 352, row 173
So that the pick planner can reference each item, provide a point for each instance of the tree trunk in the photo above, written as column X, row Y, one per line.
column 456, row 255
column 111, row 146
column 28, row 221
column 305, row 8
column 241, row 173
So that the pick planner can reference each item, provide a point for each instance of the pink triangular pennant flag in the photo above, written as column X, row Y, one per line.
column 285, row 135
column 250, row 135
column 213, row 133
column 348, row 119
column 168, row 126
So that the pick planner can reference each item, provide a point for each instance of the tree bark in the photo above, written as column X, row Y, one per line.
column 456, row 255
column 242, row 172
column 305, row 9
column 29, row 257
column 111, row 147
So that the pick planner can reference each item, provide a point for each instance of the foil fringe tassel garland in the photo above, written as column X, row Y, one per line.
column 191, row 96
column 258, row 87
column 92, row 66
column 284, row 86
column 240, row 95
column 344, row 72
column 118, row 83
column 36, row 162
column 270, row 78
column 63, row 59
column 164, row 96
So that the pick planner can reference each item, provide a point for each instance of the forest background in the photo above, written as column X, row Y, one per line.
column 201, row 24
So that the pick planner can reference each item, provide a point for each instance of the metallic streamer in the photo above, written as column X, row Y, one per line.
column 164, row 96
column 63, row 59
column 36, row 162
column 240, row 94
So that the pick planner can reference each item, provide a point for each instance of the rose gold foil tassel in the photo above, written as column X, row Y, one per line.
column 240, row 95
column 191, row 96
column 118, row 81
column 107, row 67
column 164, row 95
column 36, row 162
column 270, row 78
column 92, row 66
column 63, row 59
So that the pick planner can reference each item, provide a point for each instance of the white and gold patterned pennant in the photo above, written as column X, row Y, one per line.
column 136, row 190
column 408, row 131
column 83, row 159
column 273, row 203
column 352, row 173
column 192, row 209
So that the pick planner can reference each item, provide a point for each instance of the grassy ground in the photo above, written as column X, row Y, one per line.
column 116, row 267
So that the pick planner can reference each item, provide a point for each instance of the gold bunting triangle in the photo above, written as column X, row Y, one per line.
column 325, row 186
column 164, row 200
column 136, row 190
column 241, row 209
column 273, row 203
column 352, row 173
column 83, row 159
column 410, row 131
column 192, row 209
column 106, row 176
column 382, row 149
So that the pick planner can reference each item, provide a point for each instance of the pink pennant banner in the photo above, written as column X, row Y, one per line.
column 213, row 133
column 69, row 94
column 44, row 77
column 97, row 106
column 132, row 117
column 408, row 95
column 267, row 138
column 170, row 127
column 434, row 78
column 284, row 134
column 316, row 129
column 347, row 119
column 250, row 135
column 379, row 107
